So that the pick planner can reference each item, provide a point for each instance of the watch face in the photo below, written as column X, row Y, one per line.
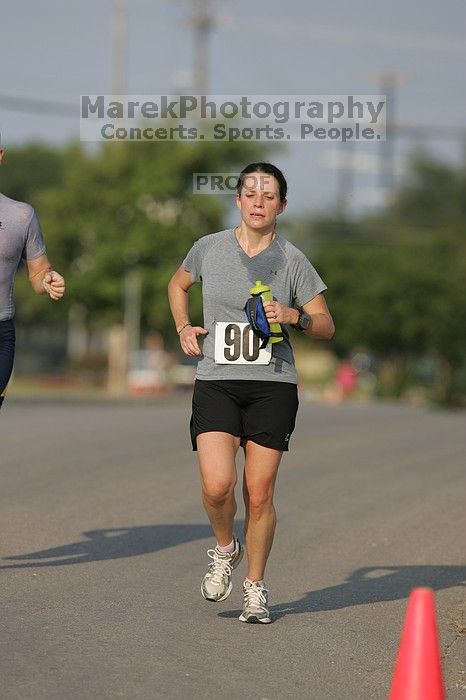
column 304, row 321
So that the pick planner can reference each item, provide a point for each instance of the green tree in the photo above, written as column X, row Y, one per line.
column 28, row 169
column 396, row 281
column 129, row 205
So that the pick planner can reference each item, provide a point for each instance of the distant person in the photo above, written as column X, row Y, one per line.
column 346, row 380
column 243, row 396
column 20, row 239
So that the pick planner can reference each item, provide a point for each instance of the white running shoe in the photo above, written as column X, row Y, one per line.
column 255, row 604
column 216, row 584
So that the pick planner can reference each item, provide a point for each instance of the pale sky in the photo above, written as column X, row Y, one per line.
column 58, row 49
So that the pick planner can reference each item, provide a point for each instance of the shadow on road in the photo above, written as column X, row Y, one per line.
column 370, row 585
column 113, row 543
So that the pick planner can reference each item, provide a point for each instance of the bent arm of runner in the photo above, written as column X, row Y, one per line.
column 178, row 289
column 321, row 325
column 43, row 279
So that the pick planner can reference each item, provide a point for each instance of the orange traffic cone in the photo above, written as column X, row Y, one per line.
column 418, row 670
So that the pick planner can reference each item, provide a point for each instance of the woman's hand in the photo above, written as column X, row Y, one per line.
column 277, row 313
column 188, row 340
column 54, row 285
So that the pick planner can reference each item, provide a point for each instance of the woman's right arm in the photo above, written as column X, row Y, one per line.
column 178, row 289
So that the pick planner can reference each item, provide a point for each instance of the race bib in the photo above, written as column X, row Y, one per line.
column 236, row 344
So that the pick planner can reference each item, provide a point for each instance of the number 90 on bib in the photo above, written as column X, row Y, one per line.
column 236, row 344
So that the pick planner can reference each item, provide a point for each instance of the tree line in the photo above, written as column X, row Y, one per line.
column 396, row 278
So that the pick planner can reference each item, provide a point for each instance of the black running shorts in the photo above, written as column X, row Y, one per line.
column 7, row 352
column 262, row 411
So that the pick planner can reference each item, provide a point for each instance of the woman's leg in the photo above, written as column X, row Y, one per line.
column 216, row 454
column 260, row 472
column 7, row 354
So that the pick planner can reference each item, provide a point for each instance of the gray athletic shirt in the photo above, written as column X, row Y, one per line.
column 227, row 274
column 20, row 239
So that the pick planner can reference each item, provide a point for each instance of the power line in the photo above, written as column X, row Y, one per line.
column 32, row 105
column 345, row 35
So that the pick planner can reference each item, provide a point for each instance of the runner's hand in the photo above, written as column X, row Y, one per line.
column 277, row 313
column 188, row 340
column 54, row 285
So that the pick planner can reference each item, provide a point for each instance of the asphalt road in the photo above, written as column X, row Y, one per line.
column 103, row 542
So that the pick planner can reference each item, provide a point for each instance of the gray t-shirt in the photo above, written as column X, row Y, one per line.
column 227, row 274
column 20, row 239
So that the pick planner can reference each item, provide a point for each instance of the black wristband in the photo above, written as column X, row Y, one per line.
column 304, row 321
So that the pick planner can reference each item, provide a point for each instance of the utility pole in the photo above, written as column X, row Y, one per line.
column 132, row 320
column 201, row 21
column 118, row 32
column 388, row 81
column 388, row 84
column 124, row 339
column 345, row 179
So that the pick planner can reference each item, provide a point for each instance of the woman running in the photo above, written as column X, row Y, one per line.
column 245, row 395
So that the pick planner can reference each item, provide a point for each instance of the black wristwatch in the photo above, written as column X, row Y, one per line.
column 303, row 321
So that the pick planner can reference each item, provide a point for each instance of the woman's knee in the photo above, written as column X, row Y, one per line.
column 260, row 499
column 216, row 453
column 218, row 491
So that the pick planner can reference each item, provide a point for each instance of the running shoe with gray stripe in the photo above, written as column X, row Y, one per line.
column 216, row 584
column 255, row 604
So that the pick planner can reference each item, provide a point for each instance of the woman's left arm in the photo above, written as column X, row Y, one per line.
column 321, row 324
